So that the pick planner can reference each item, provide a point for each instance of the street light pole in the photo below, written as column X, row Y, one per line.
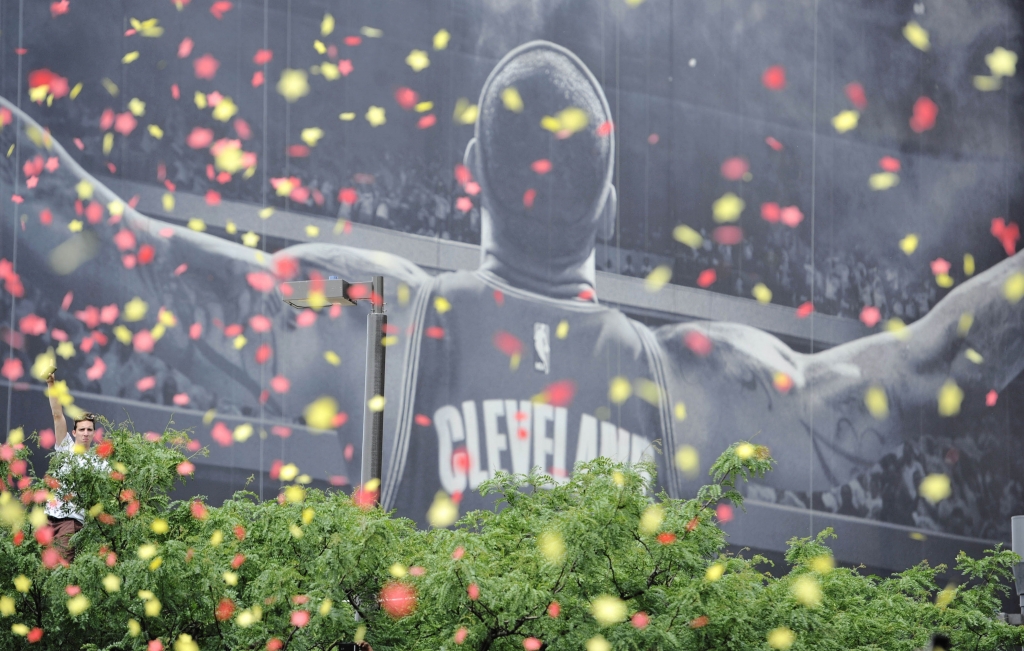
column 317, row 293
column 373, row 405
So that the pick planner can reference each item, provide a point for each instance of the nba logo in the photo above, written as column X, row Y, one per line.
column 542, row 348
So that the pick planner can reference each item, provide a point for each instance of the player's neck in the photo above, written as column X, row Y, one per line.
column 565, row 281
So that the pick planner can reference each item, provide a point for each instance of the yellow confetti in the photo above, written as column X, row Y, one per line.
column 846, row 121
column 6, row 606
column 562, row 331
column 153, row 608
column 327, row 25
column 217, row 538
column 909, row 243
column 308, row 514
column 464, row 113
column 987, row 84
column 230, row 578
column 652, row 518
column 332, row 358
column 658, row 278
column 78, row 605
column 134, row 628
column 974, row 356
column 945, row 596
column 75, row 226
column 686, row 235
column 371, row 32
column 185, row 643
column 137, row 107
column 159, row 526
column 552, row 546
column 200, row 100
column 1002, row 62
column 679, row 410
column 569, row 120
column 347, row 117
column 225, row 110
column 289, row 472
column 108, row 143
column 312, row 135
column 155, row 131
column 688, row 460
column 242, row 432
column 883, row 180
column 512, row 100
column 714, row 572
column 16, row 436
column 398, row 570
column 111, row 583
column 22, row 583
column 807, row 591
column 963, row 326
column 917, row 35
column 443, row 511
column 130, row 57
column 944, row 280
column 745, row 450
column 376, row 403
column 598, row 642
column 321, row 412
column 823, row 564
column 329, row 71
column 19, row 629
column 134, row 310
column 265, row 213
column 76, row 90
column 418, row 60
column 155, row 564
column 968, row 265
column 123, row 334
column 146, row 552
column 293, row 84
column 442, row 305
column 950, row 398
column 250, row 239
column 376, row 116
column 619, row 390
column 608, row 610
column 110, row 86
column 312, row 231
column 441, row 39
column 1013, row 288
column 66, row 349
column 325, row 607
column 762, row 293
column 935, row 488
column 781, row 638
column 727, row 208
column 423, row 107
column 84, row 190
column 877, row 402
column 168, row 202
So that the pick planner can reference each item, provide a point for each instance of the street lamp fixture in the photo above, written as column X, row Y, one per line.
column 333, row 291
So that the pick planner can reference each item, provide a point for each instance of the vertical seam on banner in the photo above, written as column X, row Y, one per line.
column 17, row 166
column 657, row 364
column 814, row 270
column 263, row 239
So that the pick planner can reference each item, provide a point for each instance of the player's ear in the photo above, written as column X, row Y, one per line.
column 606, row 220
column 471, row 158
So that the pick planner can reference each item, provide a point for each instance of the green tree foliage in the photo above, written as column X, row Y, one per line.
column 594, row 562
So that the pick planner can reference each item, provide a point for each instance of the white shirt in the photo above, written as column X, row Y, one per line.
column 60, row 510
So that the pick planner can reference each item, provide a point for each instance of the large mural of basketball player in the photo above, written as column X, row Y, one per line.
column 513, row 366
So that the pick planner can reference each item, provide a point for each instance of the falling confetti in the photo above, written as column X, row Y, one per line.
column 807, row 591
column 909, row 243
column 727, row 208
column 608, row 610
column 781, row 638
column 935, row 488
column 846, row 121
column 917, row 36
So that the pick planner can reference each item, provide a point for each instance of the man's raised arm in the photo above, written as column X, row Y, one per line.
column 833, row 414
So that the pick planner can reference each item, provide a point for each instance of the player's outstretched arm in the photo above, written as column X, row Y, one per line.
column 833, row 414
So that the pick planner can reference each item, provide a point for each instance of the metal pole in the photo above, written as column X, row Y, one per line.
column 373, row 408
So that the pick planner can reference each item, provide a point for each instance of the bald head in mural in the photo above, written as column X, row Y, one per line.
column 515, row 365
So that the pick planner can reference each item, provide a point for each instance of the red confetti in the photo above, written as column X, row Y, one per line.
column 274, row 644
column 554, row 609
column 427, row 121
column 698, row 343
column 734, row 168
column 219, row 8
column 707, row 278
column 36, row 633
column 791, row 216
column 458, row 553
column 345, row 67
column 666, row 538
column 774, row 78
column 352, row 41
column 1007, row 234
column 146, row 254
column 473, row 591
column 47, row 439
column 186, row 468
column 728, row 235
column 640, row 620
column 44, row 536
column 306, row 318
column 262, row 56
column 782, row 382
column 462, row 174
column 940, row 266
column 560, row 393
column 423, row 420
column 199, row 138
column 406, row 97
column 226, row 608
column 185, row 48
column 653, row 139
column 723, row 512
column 804, row 310
column 508, row 343
column 889, row 164
column 541, row 166
column 925, row 113
column 206, row 66
column 280, row 384
column 221, row 434
column 771, row 212
column 463, row 204
column 699, row 622
column 239, row 532
column 991, row 397
column 32, row 324
column 105, row 449
column 855, row 93
column 59, row 8
column 870, row 316
column 349, row 452
column 143, row 342
column 460, row 635
column 435, row 332
column 398, row 599
column 12, row 369
column 261, row 281
column 257, row 79
column 605, row 128
column 199, row 511
column 532, row 644
column 45, row 217
column 499, row 297
column 528, row 197
column 263, row 353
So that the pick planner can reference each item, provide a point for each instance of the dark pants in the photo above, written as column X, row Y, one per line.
column 63, row 529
